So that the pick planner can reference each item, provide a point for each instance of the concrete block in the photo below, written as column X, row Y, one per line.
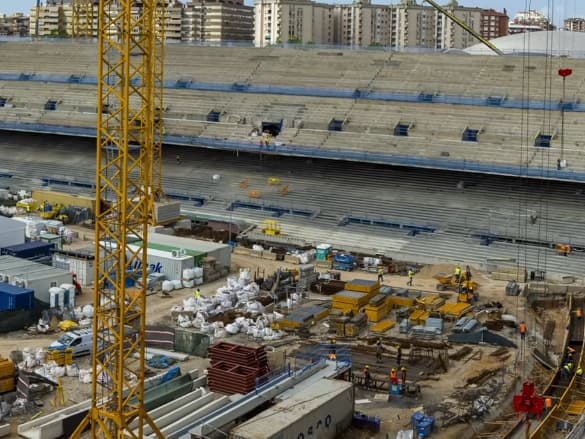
column 291, row 259
column 192, row 417
column 191, row 342
column 174, row 415
column 4, row 430
column 241, row 251
column 269, row 255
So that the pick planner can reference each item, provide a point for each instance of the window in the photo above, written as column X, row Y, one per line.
column 401, row 129
column 470, row 135
column 542, row 140
column 51, row 105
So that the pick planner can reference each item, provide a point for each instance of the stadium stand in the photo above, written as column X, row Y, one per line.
column 443, row 111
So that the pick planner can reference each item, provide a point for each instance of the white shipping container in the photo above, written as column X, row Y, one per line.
column 323, row 409
column 164, row 262
column 84, row 268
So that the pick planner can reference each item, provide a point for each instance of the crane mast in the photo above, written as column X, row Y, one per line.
column 126, row 132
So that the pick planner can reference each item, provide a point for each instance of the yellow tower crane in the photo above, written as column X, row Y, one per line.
column 82, row 18
column 127, row 114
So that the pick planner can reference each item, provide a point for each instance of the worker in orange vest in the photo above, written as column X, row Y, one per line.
column 548, row 403
column 393, row 376
column 522, row 330
column 579, row 313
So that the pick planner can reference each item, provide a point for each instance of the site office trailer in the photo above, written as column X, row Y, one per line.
column 171, row 264
column 321, row 410
column 41, row 281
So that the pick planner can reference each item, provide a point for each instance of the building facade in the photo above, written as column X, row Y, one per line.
column 362, row 24
column 16, row 25
column 292, row 21
column 494, row 24
column 575, row 24
column 202, row 20
column 217, row 20
column 450, row 35
column 529, row 21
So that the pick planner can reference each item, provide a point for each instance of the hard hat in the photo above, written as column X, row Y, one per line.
column 367, row 367
column 393, row 369
column 403, row 369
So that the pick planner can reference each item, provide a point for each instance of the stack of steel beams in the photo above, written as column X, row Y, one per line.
column 235, row 368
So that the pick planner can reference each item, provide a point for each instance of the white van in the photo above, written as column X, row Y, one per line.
column 80, row 341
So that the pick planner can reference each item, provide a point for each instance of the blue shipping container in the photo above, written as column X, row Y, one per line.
column 15, row 298
column 32, row 249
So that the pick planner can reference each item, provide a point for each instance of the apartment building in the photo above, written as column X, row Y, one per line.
column 575, row 24
column 202, row 20
column 450, row 35
column 217, row 20
column 529, row 21
column 362, row 24
column 50, row 20
column 494, row 24
column 16, row 25
column 282, row 21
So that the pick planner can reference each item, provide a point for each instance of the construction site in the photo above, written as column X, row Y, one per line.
column 269, row 243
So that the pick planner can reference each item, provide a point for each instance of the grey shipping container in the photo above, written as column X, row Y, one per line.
column 321, row 410
column 11, row 232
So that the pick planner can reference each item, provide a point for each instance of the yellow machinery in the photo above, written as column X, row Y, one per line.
column 271, row 227
column 129, row 127
column 28, row 205
column 449, row 282
column 50, row 211
column 273, row 181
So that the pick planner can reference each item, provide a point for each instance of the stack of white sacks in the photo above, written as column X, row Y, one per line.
column 36, row 360
column 239, row 294
column 190, row 278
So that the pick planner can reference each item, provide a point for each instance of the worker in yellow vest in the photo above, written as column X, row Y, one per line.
column 380, row 273
column 457, row 274
column 197, row 294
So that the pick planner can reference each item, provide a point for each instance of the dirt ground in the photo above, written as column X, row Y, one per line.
column 394, row 415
